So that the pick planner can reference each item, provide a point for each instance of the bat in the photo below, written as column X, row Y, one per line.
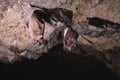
column 36, row 26
column 69, row 39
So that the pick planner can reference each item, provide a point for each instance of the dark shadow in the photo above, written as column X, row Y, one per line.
column 58, row 64
column 114, row 50
column 102, row 23
column 56, row 14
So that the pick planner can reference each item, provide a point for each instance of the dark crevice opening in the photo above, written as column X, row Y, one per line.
column 102, row 23
column 59, row 64
column 56, row 14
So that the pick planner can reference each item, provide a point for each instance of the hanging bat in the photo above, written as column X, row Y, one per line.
column 36, row 27
column 69, row 39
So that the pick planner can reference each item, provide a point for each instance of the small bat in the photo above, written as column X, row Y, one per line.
column 36, row 27
column 69, row 39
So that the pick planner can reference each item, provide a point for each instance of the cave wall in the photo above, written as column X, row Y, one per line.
column 97, row 23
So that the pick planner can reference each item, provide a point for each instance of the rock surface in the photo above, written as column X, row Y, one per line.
column 96, row 21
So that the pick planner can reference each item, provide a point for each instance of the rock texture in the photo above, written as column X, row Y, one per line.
column 97, row 23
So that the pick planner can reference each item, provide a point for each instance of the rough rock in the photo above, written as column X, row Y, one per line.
column 97, row 23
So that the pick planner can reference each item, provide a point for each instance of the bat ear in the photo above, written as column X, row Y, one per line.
column 27, row 24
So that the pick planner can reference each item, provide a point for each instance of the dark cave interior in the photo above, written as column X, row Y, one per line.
column 58, row 64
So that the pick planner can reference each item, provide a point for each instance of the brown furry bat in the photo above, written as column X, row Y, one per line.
column 36, row 27
column 69, row 39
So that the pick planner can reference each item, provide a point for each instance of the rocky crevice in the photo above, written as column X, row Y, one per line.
column 98, row 30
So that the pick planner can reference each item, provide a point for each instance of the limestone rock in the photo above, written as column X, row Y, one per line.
column 97, row 23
